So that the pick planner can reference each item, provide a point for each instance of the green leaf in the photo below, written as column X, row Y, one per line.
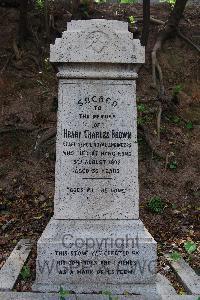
column 25, row 272
column 173, row 206
column 156, row 205
column 106, row 293
column 109, row 294
column 190, row 247
column 176, row 120
column 141, row 107
column 40, row 4
column 175, row 256
column 126, row 293
column 189, row 125
column 140, row 120
column 132, row 21
column 173, row 165
column 177, row 89
column 171, row 2
column 128, row 1
column 63, row 293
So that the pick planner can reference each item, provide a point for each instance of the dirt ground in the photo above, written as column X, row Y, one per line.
column 28, row 104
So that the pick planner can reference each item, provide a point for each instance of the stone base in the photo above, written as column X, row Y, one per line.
column 90, row 256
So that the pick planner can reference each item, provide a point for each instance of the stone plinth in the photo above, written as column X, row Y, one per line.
column 95, row 255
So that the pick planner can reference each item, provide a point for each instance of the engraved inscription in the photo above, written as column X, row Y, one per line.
column 97, row 149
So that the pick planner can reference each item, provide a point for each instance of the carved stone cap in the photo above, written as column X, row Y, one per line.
column 97, row 41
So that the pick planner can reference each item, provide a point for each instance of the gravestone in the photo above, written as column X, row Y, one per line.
column 95, row 240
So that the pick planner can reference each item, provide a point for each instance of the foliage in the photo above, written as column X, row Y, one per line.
column 63, row 293
column 120, row 1
column 171, row 2
column 176, row 119
column 181, row 292
column 85, row 8
column 177, row 89
column 141, row 120
column 141, row 107
column 143, row 114
column 47, row 65
column 190, row 247
column 156, row 205
column 109, row 294
column 172, row 165
column 40, row 4
column 25, row 272
column 175, row 256
column 128, row 1
column 189, row 125
column 131, row 20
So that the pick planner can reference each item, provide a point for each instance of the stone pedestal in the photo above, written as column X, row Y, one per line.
column 95, row 241
column 93, row 256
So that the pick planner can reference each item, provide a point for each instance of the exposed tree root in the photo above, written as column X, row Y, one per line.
column 159, row 120
column 170, row 29
column 157, row 73
column 152, row 20
column 6, row 64
column 158, row 77
column 156, row 68
column 156, row 21
column 180, row 34
column 186, row 39
column 12, row 129
column 151, row 142
column 16, row 50
column 51, row 133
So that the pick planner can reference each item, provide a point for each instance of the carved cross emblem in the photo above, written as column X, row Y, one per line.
column 97, row 40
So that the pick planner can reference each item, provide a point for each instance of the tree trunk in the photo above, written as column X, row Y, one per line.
column 168, row 31
column 172, row 23
column 75, row 6
column 46, row 16
column 23, row 24
column 146, row 22
column 177, row 13
column 9, row 3
column 174, row 20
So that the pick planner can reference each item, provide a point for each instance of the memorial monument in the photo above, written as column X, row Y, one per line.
column 95, row 241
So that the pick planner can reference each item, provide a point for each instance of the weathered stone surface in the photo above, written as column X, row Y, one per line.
column 182, row 297
column 95, row 254
column 97, row 71
column 13, row 265
column 54, row 296
column 164, row 286
column 187, row 276
column 97, row 156
column 97, row 41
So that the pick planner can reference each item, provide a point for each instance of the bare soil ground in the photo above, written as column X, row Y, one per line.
column 28, row 91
